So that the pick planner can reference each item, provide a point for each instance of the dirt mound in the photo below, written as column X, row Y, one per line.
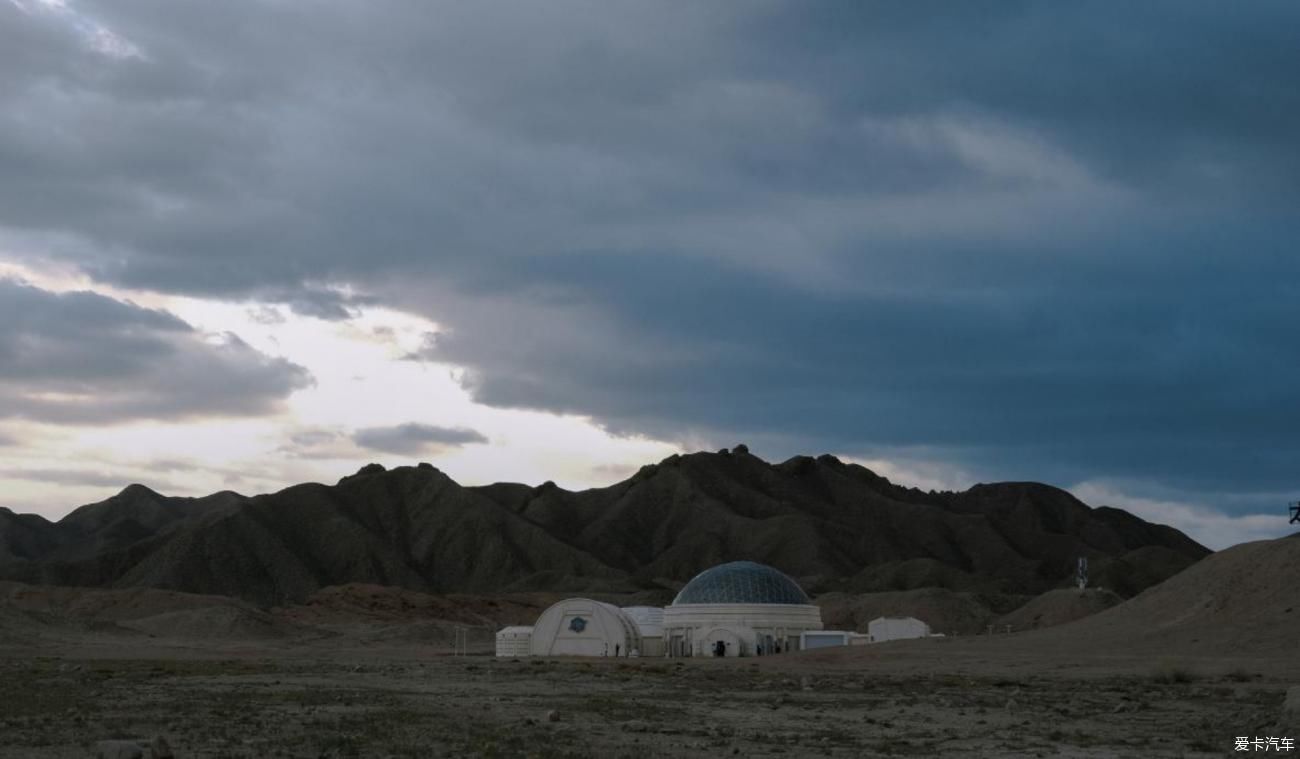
column 944, row 610
column 35, row 610
column 221, row 622
column 360, row 603
column 359, row 612
column 1057, row 607
column 1241, row 601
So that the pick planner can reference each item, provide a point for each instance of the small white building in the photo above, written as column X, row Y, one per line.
column 514, row 641
column 882, row 629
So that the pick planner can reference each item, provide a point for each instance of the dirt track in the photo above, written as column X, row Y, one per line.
column 967, row 698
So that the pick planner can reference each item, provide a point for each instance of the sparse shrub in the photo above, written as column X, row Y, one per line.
column 1239, row 675
column 1170, row 673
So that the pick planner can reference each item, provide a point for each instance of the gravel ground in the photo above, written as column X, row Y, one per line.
column 243, row 701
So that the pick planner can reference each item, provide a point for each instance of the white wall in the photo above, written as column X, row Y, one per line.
column 882, row 629
column 515, row 641
column 652, row 645
column 823, row 639
column 741, row 625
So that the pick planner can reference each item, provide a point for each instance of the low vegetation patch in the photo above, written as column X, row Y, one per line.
column 1173, row 673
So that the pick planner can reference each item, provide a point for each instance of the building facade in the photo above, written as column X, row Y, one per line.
column 738, row 609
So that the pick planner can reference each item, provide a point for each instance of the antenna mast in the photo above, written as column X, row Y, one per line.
column 1295, row 512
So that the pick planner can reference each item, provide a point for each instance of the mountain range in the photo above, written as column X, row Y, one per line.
column 835, row 526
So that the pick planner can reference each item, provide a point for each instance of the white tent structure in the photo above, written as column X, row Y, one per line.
column 514, row 641
column 649, row 621
column 582, row 627
column 883, row 629
column 738, row 609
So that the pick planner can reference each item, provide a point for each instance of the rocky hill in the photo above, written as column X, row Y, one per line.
column 835, row 526
column 1242, row 600
column 1058, row 607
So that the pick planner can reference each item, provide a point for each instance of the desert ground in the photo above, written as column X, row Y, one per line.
column 1182, row 670
column 975, row 696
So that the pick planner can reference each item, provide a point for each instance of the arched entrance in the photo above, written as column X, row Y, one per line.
column 721, row 641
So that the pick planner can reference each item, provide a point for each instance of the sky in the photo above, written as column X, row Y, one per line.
column 257, row 242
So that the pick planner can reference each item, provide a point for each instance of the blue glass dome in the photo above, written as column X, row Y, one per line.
column 741, row 582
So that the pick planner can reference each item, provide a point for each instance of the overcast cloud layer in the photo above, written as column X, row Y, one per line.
column 84, row 358
column 1027, row 241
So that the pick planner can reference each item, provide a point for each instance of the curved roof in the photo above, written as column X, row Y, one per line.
column 583, row 627
column 649, row 619
column 741, row 582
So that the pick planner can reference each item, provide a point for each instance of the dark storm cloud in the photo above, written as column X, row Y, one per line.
column 1166, row 91
column 80, row 357
column 1042, row 242
column 1051, row 375
column 415, row 438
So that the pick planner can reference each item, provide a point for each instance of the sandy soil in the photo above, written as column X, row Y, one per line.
column 955, row 697
column 1179, row 671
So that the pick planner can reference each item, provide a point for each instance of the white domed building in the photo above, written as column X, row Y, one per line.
column 738, row 609
column 583, row 627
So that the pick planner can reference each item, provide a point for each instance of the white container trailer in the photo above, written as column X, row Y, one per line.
column 883, row 629
column 515, row 641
